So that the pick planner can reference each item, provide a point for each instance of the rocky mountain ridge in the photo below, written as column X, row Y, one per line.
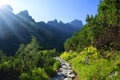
column 18, row 28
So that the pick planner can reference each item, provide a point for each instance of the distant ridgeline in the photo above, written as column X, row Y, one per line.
column 18, row 28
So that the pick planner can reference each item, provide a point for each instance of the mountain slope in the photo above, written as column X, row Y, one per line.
column 18, row 28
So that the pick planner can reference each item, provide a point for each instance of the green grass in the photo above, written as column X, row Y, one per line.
column 100, row 66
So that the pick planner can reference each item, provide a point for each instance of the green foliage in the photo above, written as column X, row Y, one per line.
column 101, row 30
column 91, row 65
column 68, row 55
column 8, row 69
column 36, row 74
column 50, row 71
column 109, row 18
column 2, row 57
column 86, row 36
column 101, row 62
column 56, row 65
column 109, row 12
column 29, row 63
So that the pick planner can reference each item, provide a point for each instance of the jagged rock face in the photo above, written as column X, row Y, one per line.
column 25, row 15
column 61, row 31
column 18, row 28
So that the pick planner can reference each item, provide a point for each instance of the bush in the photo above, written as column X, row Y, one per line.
column 56, row 65
column 90, row 64
column 36, row 74
column 68, row 55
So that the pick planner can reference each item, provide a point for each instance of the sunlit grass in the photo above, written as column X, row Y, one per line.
column 91, row 65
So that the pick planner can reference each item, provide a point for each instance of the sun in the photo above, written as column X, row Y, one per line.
column 3, row 2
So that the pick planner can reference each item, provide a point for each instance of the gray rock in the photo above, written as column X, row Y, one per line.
column 68, row 79
column 67, row 64
column 64, row 73
column 71, row 74
column 86, row 60
column 69, row 68
column 70, row 71
column 64, row 66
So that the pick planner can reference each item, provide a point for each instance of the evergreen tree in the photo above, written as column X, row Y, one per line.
column 101, row 30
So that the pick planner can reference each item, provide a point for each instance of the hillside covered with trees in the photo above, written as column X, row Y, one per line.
column 28, row 48
column 29, row 63
column 94, row 51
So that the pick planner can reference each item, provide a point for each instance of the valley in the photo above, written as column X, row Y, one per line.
column 55, row 50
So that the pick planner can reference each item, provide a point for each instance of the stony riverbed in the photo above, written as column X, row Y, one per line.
column 65, row 72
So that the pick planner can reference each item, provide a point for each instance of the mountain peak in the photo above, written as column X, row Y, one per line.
column 77, row 23
column 25, row 13
column 76, row 20
column 56, row 21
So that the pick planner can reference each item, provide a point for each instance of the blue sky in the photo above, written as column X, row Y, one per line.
column 65, row 10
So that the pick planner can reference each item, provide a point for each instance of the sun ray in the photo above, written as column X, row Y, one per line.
column 10, row 25
column 3, row 2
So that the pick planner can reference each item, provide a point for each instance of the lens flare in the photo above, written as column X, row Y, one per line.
column 3, row 2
